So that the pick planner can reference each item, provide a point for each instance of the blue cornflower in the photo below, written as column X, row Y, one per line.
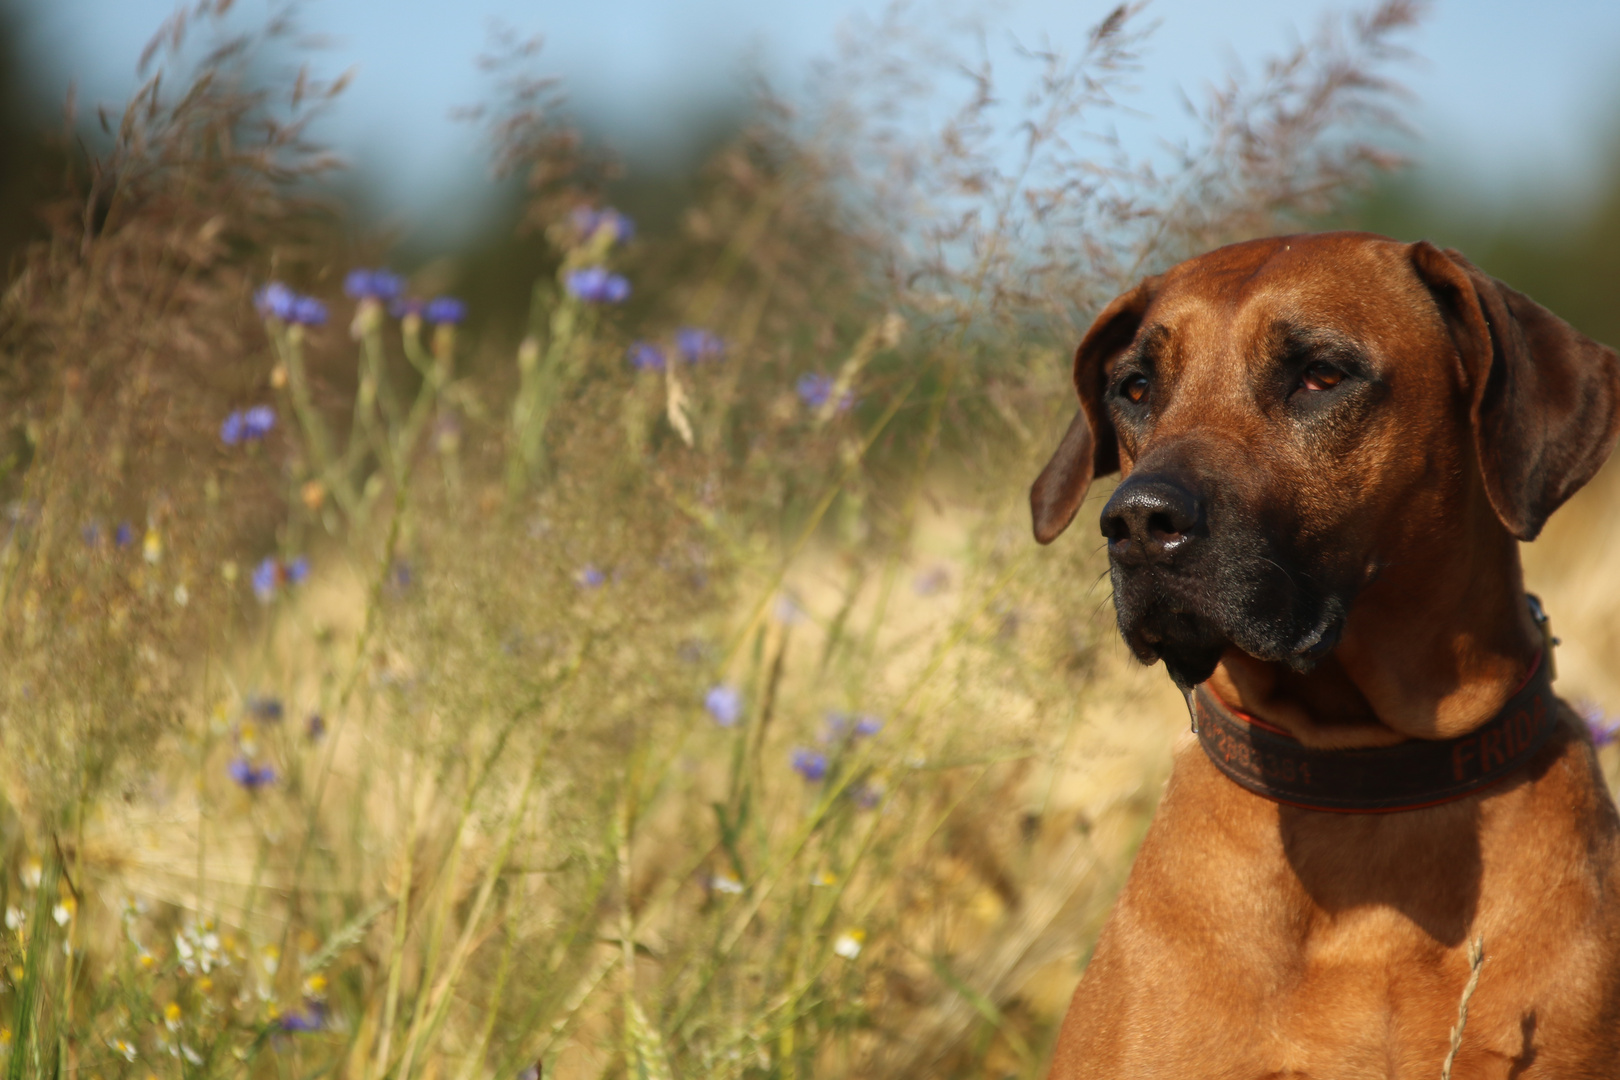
column 815, row 388
column 810, row 764
column 307, row 311
column 1604, row 728
column 589, row 222
column 645, row 356
column 266, row 709
column 724, row 704
column 275, row 300
column 266, row 576
column 125, row 535
column 257, row 422
column 240, row 426
column 379, row 284
column 590, row 577
column 445, row 309
column 597, row 285
column 312, row 1017
column 867, row 725
column 297, row 571
column 251, row 776
column 696, row 344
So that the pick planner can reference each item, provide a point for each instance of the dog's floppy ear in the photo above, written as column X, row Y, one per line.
column 1088, row 449
column 1545, row 399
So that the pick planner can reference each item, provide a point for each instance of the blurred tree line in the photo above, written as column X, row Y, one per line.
column 1568, row 261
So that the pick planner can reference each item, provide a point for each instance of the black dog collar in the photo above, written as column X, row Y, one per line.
column 1381, row 780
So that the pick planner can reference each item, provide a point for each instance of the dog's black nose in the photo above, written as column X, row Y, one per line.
column 1151, row 519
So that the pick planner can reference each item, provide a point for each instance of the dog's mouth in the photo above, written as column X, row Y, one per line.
column 1190, row 640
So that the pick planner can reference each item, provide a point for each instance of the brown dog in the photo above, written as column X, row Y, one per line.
column 1331, row 445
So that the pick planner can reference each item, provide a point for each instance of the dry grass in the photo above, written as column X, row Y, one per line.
column 516, row 834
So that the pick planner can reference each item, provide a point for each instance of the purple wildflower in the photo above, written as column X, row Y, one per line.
column 696, row 344
column 724, row 704
column 379, row 284
column 930, row 582
column 251, row 776
column 645, row 356
column 590, row 577
column 240, row 426
column 859, row 727
column 257, row 422
column 406, row 307
column 275, row 300
column 1604, row 728
column 445, row 309
column 266, row 576
column 597, row 285
column 810, row 764
column 297, row 571
column 589, row 222
column 307, row 311
column 312, row 1017
column 314, row 727
column 124, row 536
column 866, row 795
column 265, row 709
column 815, row 388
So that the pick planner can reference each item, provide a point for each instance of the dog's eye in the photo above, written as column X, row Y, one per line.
column 1320, row 376
column 1135, row 388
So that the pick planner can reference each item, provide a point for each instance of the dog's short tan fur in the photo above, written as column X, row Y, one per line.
column 1255, row 940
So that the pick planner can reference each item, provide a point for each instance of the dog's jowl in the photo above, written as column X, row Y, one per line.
column 1330, row 447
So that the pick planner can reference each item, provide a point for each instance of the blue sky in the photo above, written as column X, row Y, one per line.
column 1514, row 100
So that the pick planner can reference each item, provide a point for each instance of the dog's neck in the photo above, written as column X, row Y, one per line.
column 1393, row 676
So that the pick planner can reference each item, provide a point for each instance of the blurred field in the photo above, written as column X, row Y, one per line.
column 643, row 686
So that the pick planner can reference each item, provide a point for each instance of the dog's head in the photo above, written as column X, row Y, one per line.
column 1291, row 414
